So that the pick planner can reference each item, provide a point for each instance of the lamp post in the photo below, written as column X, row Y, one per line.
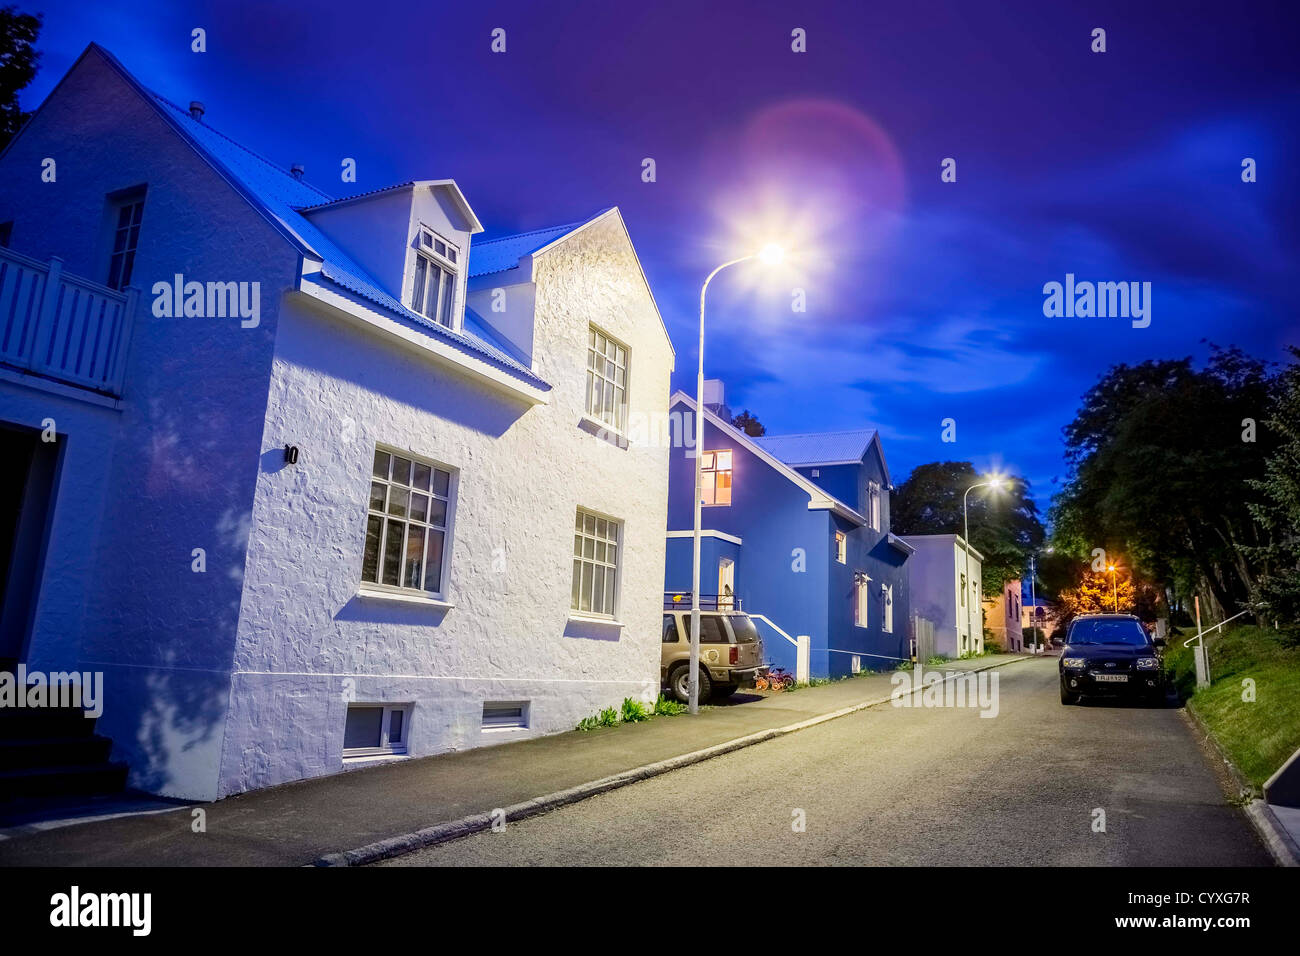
column 1114, row 586
column 993, row 483
column 1033, row 593
column 771, row 254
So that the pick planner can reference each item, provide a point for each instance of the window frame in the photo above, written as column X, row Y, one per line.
column 115, row 203
column 861, row 599
column 447, row 529
column 619, row 425
column 428, row 256
column 708, row 466
column 886, row 608
column 841, row 547
column 579, row 560
column 386, row 747
column 873, row 505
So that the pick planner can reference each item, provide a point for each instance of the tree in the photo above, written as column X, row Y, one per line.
column 18, row 57
column 1004, row 525
column 749, row 424
column 1277, row 590
column 1158, row 464
column 1095, row 593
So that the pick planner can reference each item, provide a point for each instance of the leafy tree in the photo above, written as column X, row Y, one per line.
column 1277, row 592
column 1004, row 524
column 18, row 57
column 1095, row 593
column 749, row 424
column 1158, row 465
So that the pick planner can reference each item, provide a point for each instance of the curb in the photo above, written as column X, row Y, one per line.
column 1271, row 833
column 478, row 822
column 1275, row 837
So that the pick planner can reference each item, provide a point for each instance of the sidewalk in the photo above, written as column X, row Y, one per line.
column 298, row 823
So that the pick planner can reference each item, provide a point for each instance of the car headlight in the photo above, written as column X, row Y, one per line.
column 1148, row 663
column 1073, row 662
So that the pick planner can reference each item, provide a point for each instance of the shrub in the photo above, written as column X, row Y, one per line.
column 634, row 711
column 666, row 707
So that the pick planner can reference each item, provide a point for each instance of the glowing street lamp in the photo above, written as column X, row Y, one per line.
column 1114, row 586
column 770, row 254
column 995, row 483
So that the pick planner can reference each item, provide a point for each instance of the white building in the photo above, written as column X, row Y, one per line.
column 945, row 580
column 391, row 510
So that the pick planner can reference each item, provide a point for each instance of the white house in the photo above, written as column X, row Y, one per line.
column 1002, row 615
column 945, row 578
column 348, row 484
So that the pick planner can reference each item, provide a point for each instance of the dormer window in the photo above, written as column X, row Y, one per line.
column 433, row 291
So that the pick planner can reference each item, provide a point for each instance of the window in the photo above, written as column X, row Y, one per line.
column 606, row 380
column 406, row 527
column 873, row 505
column 375, row 729
column 128, row 211
column 505, row 715
column 861, row 584
column 963, row 590
column 433, row 290
column 670, row 629
column 715, row 477
column 887, row 600
column 595, row 564
column 841, row 547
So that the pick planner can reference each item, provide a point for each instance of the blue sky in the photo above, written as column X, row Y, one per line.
column 924, row 299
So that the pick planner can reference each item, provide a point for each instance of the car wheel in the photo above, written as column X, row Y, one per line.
column 680, row 682
column 1067, row 697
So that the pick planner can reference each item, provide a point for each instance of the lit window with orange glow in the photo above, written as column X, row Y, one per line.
column 715, row 477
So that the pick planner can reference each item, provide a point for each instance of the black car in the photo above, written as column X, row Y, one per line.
column 1111, row 655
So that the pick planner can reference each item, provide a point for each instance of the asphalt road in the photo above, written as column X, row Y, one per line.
column 913, row 786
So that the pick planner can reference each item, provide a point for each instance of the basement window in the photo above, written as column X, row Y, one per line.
column 505, row 715
column 376, row 729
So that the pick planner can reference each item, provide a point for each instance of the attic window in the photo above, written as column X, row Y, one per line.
column 433, row 290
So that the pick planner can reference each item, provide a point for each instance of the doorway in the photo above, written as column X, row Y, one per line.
column 28, row 467
column 726, row 584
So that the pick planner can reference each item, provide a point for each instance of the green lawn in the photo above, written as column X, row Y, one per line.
column 1258, row 736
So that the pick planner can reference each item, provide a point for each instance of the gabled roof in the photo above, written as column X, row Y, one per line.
column 818, row 499
column 498, row 255
column 279, row 197
column 503, row 253
column 824, row 448
column 447, row 185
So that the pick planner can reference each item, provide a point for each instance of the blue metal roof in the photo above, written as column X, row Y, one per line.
column 818, row 448
column 280, row 196
column 497, row 255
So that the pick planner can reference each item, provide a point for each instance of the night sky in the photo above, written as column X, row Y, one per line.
column 924, row 298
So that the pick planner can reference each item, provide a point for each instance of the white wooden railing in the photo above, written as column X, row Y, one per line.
column 61, row 326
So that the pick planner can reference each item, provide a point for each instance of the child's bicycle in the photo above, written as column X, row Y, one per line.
column 777, row 680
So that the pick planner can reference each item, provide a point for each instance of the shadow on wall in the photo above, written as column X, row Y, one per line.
column 384, row 611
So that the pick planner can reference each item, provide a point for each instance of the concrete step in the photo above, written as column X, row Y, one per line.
column 19, row 752
column 23, row 723
column 62, row 779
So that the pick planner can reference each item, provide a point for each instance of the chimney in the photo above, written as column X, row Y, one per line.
column 196, row 110
column 715, row 398
column 296, row 170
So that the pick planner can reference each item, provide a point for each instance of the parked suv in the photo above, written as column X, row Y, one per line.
column 731, row 653
column 1111, row 654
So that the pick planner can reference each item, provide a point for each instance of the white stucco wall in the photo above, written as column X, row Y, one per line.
column 305, row 637
column 119, row 593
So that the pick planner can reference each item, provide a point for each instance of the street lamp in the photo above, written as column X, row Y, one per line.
column 1114, row 586
column 771, row 254
column 1033, row 592
column 995, row 483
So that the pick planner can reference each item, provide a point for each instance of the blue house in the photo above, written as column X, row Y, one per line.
column 796, row 528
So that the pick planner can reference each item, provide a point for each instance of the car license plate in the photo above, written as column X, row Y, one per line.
column 1111, row 678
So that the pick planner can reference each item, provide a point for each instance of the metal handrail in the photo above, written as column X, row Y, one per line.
column 1201, row 634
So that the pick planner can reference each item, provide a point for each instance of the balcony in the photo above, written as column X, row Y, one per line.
column 62, row 328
